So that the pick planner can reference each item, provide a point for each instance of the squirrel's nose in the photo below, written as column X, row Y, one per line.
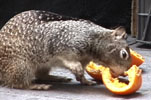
column 117, row 71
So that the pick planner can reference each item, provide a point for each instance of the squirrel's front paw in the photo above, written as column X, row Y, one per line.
column 87, row 82
column 84, row 81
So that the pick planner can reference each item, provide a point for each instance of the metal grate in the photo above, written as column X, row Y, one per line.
column 144, row 21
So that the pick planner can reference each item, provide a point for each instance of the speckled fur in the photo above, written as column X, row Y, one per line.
column 34, row 41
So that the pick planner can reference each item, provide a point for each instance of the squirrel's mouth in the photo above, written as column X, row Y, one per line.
column 116, row 71
column 114, row 74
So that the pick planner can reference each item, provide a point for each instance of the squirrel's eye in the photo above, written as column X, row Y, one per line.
column 124, row 54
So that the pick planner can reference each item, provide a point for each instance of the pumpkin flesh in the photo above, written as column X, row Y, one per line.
column 121, row 88
column 94, row 70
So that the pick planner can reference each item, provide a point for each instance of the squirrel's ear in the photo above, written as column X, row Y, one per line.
column 119, row 33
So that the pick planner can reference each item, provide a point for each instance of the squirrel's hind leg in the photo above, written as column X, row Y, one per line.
column 19, row 74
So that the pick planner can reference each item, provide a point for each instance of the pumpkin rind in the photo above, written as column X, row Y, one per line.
column 137, row 59
column 99, row 72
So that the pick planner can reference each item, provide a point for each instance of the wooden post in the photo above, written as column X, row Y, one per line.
column 134, row 18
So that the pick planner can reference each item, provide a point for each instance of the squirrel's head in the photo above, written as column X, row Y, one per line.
column 111, row 50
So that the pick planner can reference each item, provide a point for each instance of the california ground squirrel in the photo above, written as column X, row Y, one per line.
column 33, row 42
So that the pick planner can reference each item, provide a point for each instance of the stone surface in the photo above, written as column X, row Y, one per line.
column 75, row 91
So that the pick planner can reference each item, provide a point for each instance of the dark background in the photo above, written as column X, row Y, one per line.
column 107, row 13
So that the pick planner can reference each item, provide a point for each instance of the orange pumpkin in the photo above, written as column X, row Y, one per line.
column 137, row 59
column 121, row 88
column 113, row 84
column 94, row 70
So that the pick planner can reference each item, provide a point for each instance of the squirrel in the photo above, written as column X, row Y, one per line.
column 33, row 42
